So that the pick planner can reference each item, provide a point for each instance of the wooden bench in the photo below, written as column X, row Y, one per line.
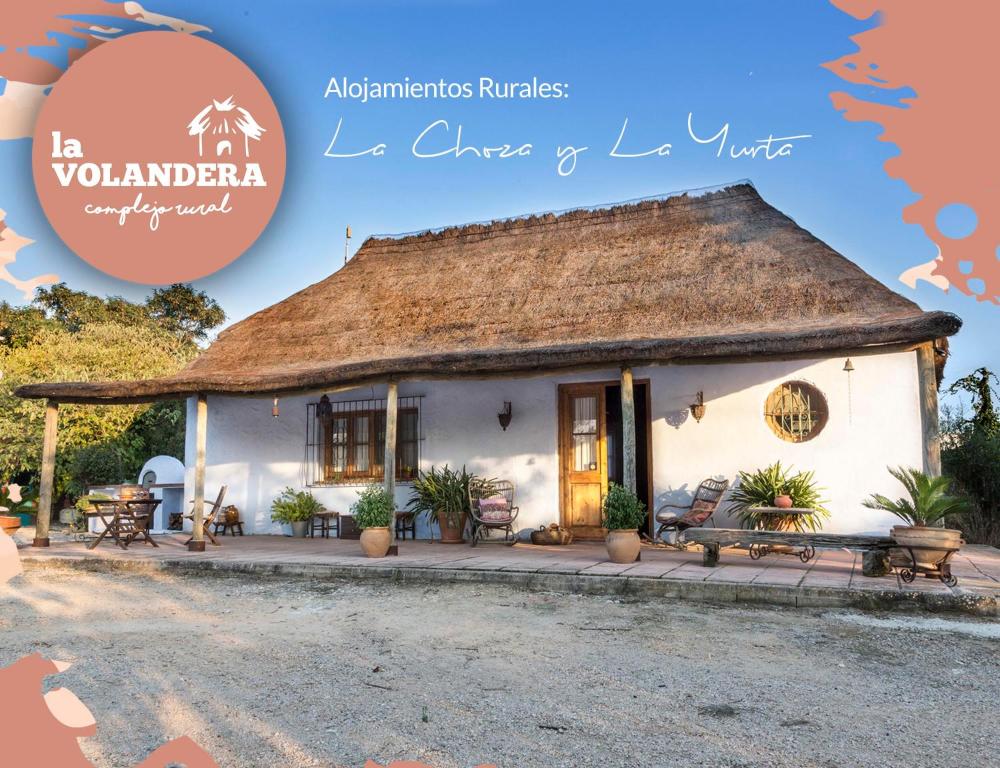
column 875, row 548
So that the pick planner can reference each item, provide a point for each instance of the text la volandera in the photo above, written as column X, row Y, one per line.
column 92, row 174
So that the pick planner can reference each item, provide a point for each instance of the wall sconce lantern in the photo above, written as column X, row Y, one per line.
column 274, row 407
column 324, row 409
column 698, row 407
column 504, row 415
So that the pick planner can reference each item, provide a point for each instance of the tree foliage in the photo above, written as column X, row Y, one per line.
column 97, row 351
column 971, row 456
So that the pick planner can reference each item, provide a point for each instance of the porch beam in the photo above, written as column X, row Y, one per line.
column 389, row 462
column 48, row 474
column 927, row 377
column 197, row 543
column 628, row 429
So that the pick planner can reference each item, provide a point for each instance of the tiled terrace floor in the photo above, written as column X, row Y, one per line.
column 977, row 568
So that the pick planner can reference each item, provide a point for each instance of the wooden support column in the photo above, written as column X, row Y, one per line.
column 927, row 377
column 628, row 429
column 48, row 474
column 197, row 543
column 389, row 462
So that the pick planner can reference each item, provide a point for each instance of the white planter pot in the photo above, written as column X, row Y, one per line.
column 929, row 544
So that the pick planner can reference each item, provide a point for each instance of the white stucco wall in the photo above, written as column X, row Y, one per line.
column 257, row 455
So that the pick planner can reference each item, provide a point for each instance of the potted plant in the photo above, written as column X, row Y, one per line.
column 622, row 513
column 296, row 508
column 765, row 488
column 18, row 507
column 373, row 513
column 928, row 503
column 443, row 496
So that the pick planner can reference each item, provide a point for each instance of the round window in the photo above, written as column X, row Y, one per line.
column 796, row 411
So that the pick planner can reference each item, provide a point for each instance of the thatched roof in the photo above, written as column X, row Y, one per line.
column 681, row 278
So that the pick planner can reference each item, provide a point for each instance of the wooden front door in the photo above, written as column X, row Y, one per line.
column 583, row 457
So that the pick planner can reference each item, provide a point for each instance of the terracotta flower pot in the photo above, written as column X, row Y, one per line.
column 623, row 545
column 375, row 542
column 783, row 501
column 450, row 534
column 929, row 545
column 10, row 523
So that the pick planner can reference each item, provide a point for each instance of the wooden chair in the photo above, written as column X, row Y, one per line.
column 324, row 523
column 208, row 519
column 694, row 515
column 136, row 521
column 492, row 506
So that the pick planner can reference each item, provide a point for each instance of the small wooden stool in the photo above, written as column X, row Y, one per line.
column 230, row 521
column 325, row 522
column 406, row 521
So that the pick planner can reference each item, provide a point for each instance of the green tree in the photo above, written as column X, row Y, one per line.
column 111, row 351
column 971, row 455
column 74, row 309
column 185, row 312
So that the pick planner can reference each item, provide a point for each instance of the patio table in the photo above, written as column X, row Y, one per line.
column 122, row 519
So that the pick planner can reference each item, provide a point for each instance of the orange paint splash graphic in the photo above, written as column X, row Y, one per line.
column 941, row 51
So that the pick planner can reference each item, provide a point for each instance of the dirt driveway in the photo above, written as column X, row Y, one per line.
column 298, row 673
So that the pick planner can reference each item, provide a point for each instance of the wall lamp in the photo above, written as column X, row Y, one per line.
column 504, row 415
column 698, row 407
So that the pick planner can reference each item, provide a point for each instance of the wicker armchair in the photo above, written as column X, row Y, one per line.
column 703, row 505
column 492, row 506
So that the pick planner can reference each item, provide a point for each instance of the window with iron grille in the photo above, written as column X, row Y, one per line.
column 345, row 443
column 796, row 411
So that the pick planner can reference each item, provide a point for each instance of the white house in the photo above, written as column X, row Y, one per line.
column 796, row 354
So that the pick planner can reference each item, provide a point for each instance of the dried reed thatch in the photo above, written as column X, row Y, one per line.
column 687, row 277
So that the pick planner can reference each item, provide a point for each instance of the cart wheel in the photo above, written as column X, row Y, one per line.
column 807, row 554
column 755, row 552
column 907, row 575
column 949, row 580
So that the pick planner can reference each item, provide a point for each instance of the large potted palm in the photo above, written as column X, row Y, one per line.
column 929, row 503
column 758, row 493
column 442, row 495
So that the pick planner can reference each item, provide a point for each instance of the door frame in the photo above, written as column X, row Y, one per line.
column 569, row 388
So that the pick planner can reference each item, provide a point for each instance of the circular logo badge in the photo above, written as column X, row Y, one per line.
column 158, row 157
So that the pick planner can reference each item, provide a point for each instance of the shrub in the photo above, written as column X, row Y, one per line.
column 759, row 489
column 928, row 500
column 374, row 508
column 621, row 509
column 100, row 464
column 294, row 506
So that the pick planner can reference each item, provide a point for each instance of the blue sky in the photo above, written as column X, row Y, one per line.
column 755, row 65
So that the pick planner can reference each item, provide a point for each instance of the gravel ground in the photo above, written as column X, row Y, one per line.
column 299, row 673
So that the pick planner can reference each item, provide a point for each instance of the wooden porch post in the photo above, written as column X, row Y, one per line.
column 48, row 474
column 628, row 429
column 197, row 543
column 389, row 462
column 927, row 377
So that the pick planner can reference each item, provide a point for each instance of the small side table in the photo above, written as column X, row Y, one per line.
column 324, row 523
column 805, row 554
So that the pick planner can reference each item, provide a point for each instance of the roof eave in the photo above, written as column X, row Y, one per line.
column 926, row 326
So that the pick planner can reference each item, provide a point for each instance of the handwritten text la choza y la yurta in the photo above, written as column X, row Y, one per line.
column 443, row 139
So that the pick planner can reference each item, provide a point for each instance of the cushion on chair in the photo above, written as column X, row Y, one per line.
column 494, row 509
column 700, row 512
column 666, row 517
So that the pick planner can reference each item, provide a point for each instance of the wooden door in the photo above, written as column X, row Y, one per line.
column 582, row 457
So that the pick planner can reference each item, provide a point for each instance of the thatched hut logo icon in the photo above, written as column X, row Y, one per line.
column 221, row 121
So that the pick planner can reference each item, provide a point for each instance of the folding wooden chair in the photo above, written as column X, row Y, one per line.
column 208, row 518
